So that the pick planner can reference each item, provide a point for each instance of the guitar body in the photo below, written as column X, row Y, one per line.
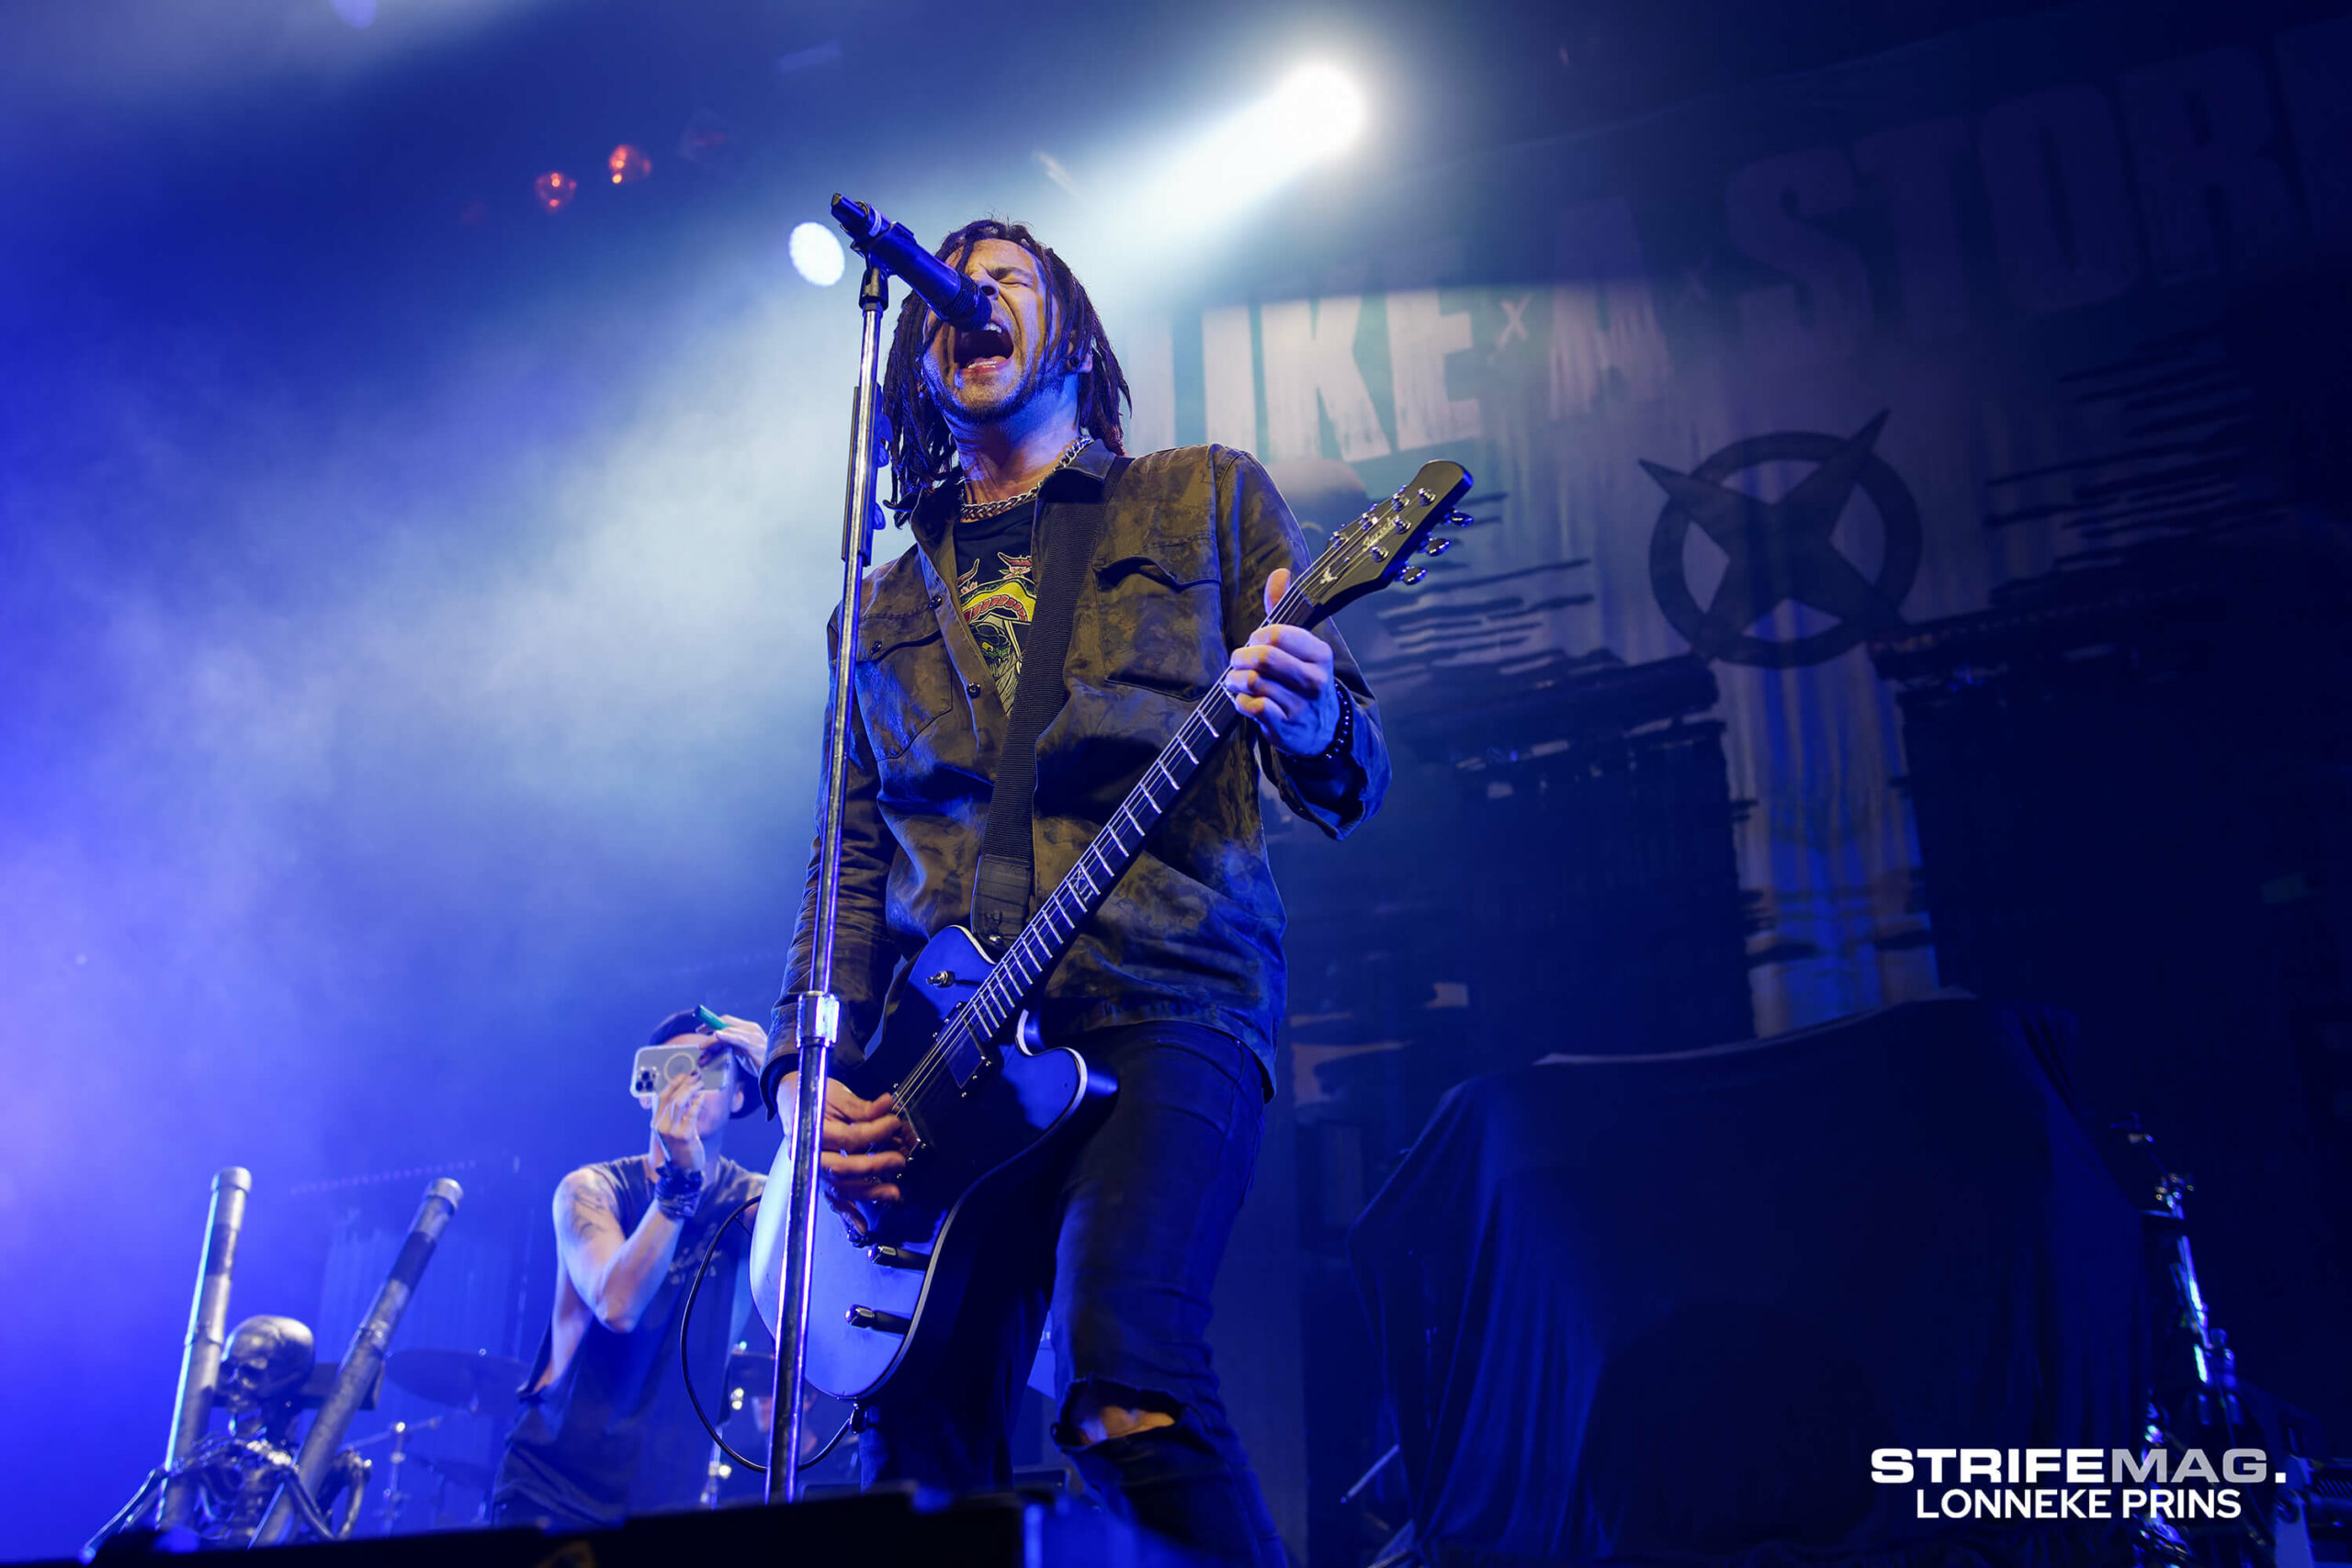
column 880, row 1303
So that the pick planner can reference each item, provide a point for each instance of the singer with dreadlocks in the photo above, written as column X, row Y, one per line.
column 1175, row 985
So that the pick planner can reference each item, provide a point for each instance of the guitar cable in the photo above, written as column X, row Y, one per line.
column 686, row 1371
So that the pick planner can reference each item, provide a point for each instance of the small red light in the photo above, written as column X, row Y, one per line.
column 628, row 164
column 555, row 189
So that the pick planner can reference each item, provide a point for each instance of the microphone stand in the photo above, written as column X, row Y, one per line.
column 817, row 1011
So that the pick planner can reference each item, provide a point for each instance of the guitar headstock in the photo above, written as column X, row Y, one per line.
column 1376, row 550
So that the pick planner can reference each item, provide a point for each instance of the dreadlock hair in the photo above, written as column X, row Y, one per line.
column 922, row 454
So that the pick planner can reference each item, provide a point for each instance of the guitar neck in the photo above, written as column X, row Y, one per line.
column 1032, row 954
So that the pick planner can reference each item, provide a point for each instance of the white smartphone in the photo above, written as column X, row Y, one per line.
column 657, row 1064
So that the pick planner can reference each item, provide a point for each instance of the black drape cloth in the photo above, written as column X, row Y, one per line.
column 1661, row 1309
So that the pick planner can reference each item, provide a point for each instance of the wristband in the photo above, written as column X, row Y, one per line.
column 677, row 1192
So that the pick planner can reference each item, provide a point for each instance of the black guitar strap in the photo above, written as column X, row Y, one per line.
column 1065, row 536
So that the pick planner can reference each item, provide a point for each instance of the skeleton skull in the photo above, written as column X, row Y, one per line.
column 267, row 1359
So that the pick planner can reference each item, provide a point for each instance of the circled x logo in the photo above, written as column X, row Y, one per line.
column 1781, row 550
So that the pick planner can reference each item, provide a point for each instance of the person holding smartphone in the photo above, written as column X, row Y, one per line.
column 605, row 1429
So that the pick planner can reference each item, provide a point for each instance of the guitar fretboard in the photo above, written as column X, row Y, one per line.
column 1034, row 952
column 962, row 1047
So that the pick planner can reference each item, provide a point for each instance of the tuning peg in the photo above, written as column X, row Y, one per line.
column 1460, row 519
column 1437, row 546
column 1414, row 576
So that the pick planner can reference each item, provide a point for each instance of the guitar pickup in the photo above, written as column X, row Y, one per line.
column 879, row 1321
column 898, row 1258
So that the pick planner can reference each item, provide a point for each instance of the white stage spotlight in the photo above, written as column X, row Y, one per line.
column 817, row 255
column 1316, row 112
column 1312, row 114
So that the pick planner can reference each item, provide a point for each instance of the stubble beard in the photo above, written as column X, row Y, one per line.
column 992, row 407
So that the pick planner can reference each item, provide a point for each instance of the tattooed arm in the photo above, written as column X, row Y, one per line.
column 612, row 1273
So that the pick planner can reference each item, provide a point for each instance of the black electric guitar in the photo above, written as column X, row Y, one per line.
column 961, row 1059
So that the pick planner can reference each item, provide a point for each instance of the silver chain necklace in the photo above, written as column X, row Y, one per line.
column 975, row 510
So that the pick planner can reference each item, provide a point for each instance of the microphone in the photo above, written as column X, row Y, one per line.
column 953, row 298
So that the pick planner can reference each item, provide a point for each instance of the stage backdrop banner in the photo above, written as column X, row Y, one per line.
column 1775, row 372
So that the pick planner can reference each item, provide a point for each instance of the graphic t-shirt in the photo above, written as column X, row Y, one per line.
column 996, row 589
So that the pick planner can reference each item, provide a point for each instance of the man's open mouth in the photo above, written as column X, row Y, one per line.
column 988, row 342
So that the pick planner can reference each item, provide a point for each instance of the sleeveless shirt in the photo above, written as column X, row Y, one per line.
column 614, row 1435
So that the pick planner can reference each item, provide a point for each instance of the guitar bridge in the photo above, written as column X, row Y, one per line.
column 880, row 1322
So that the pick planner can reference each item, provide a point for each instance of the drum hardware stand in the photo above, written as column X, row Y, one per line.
column 394, row 1495
column 2214, row 1365
column 2211, row 1413
column 398, row 1435
column 719, row 1470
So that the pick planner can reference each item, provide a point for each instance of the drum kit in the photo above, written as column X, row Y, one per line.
column 478, row 1384
column 474, row 1384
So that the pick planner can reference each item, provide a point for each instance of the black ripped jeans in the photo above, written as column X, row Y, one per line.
column 1118, row 1234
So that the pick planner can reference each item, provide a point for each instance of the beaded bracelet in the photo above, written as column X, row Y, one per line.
column 1343, row 737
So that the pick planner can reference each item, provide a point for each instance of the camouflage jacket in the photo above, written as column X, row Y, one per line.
column 1193, row 932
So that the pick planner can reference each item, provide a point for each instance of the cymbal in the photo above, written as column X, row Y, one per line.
column 469, row 1380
